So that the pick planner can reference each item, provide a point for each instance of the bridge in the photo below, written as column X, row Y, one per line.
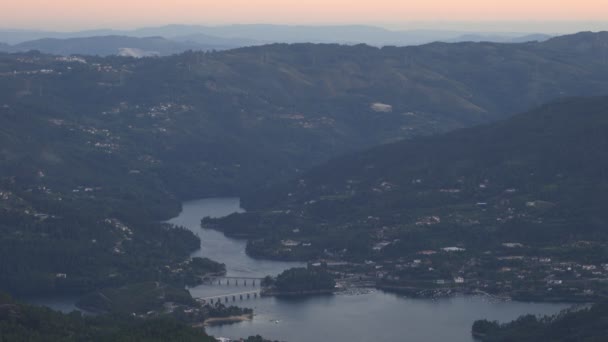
column 231, row 296
column 236, row 281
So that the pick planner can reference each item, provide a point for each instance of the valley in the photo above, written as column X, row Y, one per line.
column 401, row 169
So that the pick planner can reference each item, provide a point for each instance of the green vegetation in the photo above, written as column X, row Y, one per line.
column 20, row 322
column 136, row 298
column 153, row 300
column 515, row 207
column 95, row 151
column 302, row 281
column 219, row 310
column 581, row 325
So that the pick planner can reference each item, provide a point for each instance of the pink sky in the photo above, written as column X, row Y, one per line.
column 70, row 14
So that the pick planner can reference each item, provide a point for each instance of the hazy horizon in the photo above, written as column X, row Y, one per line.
column 515, row 27
column 467, row 15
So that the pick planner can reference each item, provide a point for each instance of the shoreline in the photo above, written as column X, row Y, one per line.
column 446, row 292
column 226, row 320
column 272, row 293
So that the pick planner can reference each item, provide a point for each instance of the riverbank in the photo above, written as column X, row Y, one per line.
column 446, row 292
column 276, row 293
column 441, row 292
column 227, row 320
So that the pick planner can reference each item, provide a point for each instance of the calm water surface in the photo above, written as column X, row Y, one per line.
column 374, row 316
column 216, row 246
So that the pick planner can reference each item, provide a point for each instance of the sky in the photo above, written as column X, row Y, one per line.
column 124, row 14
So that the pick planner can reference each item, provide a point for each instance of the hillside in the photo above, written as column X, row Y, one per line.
column 583, row 324
column 94, row 151
column 317, row 101
column 256, row 34
column 20, row 322
column 523, row 196
column 553, row 145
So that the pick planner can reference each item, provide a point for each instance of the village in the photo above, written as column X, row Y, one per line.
column 508, row 277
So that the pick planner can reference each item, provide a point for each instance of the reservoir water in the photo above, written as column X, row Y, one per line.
column 369, row 316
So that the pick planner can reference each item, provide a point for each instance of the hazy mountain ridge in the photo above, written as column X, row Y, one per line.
column 499, row 38
column 245, row 35
column 114, row 45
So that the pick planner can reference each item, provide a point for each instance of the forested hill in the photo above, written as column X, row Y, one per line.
column 20, row 322
column 539, row 178
column 561, row 143
column 93, row 149
column 581, row 325
column 245, row 116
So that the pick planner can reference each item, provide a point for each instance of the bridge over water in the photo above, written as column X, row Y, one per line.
column 235, row 281
column 225, row 298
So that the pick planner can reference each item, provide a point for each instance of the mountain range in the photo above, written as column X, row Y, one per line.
column 175, row 39
column 95, row 151
column 118, row 45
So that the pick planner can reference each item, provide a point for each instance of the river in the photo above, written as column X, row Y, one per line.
column 371, row 316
